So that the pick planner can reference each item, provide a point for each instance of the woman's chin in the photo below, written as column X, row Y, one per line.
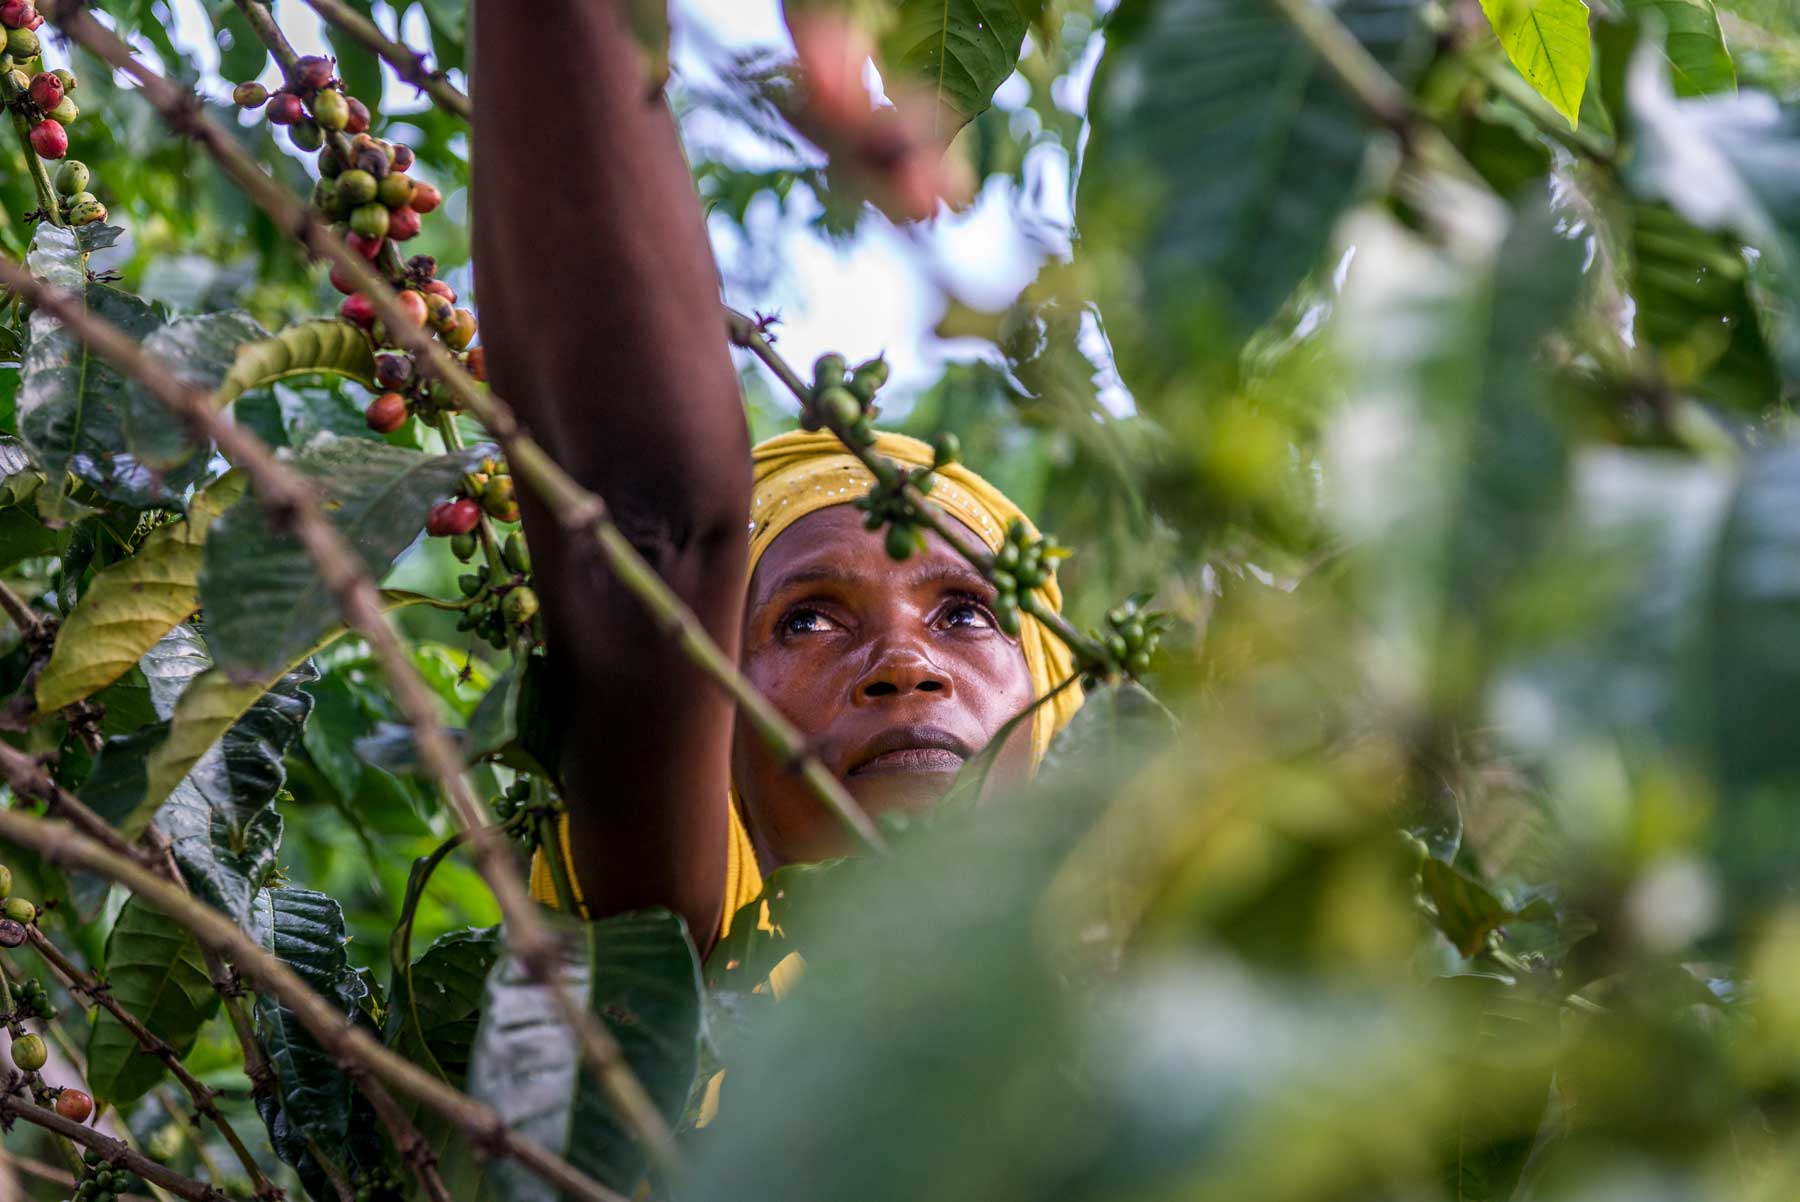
column 908, row 792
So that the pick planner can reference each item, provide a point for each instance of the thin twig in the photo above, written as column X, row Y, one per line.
column 80, row 982
column 116, row 1153
column 262, row 23
column 407, row 63
column 60, row 844
column 20, row 613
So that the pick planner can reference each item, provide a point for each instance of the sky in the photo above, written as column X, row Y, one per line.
column 881, row 292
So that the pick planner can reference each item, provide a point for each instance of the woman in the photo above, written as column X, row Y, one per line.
column 603, row 327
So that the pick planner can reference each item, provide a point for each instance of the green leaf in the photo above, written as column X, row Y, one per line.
column 1699, row 63
column 1694, row 311
column 309, row 348
column 214, row 702
column 1467, row 913
column 19, row 477
column 1202, row 84
column 510, row 724
column 200, row 351
column 265, row 600
column 72, row 402
column 155, row 970
column 436, row 1004
column 962, row 50
column 133, row 603
column 639, row 975
column 241, row 54
column 308, row 1113
column 1548, row 41
column 221, row 819
column 1725, row 163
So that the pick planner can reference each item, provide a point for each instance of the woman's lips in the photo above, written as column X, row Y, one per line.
column 911, row 759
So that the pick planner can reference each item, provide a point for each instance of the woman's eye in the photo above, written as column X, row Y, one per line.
column 968, row 615
column 804, row 621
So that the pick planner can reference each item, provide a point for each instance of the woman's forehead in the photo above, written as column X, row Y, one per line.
column 832, row 544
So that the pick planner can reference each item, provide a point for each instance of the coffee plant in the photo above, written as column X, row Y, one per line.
column 1411, row 397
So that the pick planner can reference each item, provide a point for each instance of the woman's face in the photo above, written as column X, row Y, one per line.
column 895, row 672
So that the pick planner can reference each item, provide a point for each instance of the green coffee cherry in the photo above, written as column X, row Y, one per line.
column 867, row 378
column 14, row 83
column 65, row 111
column 370, row 220
column 356, row 187
column 946, row 449
column 513, row 551
column 464, row 546
column 331, row 110
column 28, row 1051
column 838, row 407
column 87, row 212
column 20, row 910
column 306, row 135
column 469, row 583
column 22, row 44
column 5, row 882
column 67, row 78
column 829, row 369
column 72, row 177
column 902, row 541
column 251, row 95
column 394, row 190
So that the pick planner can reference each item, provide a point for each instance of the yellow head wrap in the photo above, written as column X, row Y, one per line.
column 798, row 473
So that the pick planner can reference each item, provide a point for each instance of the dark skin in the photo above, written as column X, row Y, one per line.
column 895, row 672
column 600, row 312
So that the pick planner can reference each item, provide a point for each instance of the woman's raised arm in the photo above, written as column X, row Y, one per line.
column 600, row 310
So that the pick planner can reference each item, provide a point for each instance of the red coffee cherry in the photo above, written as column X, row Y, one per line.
column 74, row 1105
column 285, row 109
column 18, row 14
column 476, row 362
column 425, row 198
column 46, row 90
column 386, row 413
column 413, row 305
column 49, row 139
column 251, row 95
column 403, row 224
column 358, row 310
column 392, row 371
column 448, row 519
column 368, row 248
column 358, row 121
column 312, row 72
column 439, row 288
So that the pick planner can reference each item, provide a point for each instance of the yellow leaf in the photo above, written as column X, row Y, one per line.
column 133, row 603
column 1548, row 41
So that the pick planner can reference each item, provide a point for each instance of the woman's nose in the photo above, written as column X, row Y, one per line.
column 897, row 671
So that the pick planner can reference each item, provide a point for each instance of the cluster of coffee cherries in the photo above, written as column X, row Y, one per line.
column 514, row 800
column 31, row 1000
column 500, row 601
column 887, row 502
column 365, row 190
column 100, row 1182
column 377, row 1185
column 488, row 489
column 1023, row 562
column 406, row 392
column 43, row 99
column 843, row 397
column 1131, row 635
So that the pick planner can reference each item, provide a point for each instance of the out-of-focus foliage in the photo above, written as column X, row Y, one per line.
column 1453, row 857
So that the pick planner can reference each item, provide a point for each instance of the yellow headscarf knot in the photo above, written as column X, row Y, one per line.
column 798, row 473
